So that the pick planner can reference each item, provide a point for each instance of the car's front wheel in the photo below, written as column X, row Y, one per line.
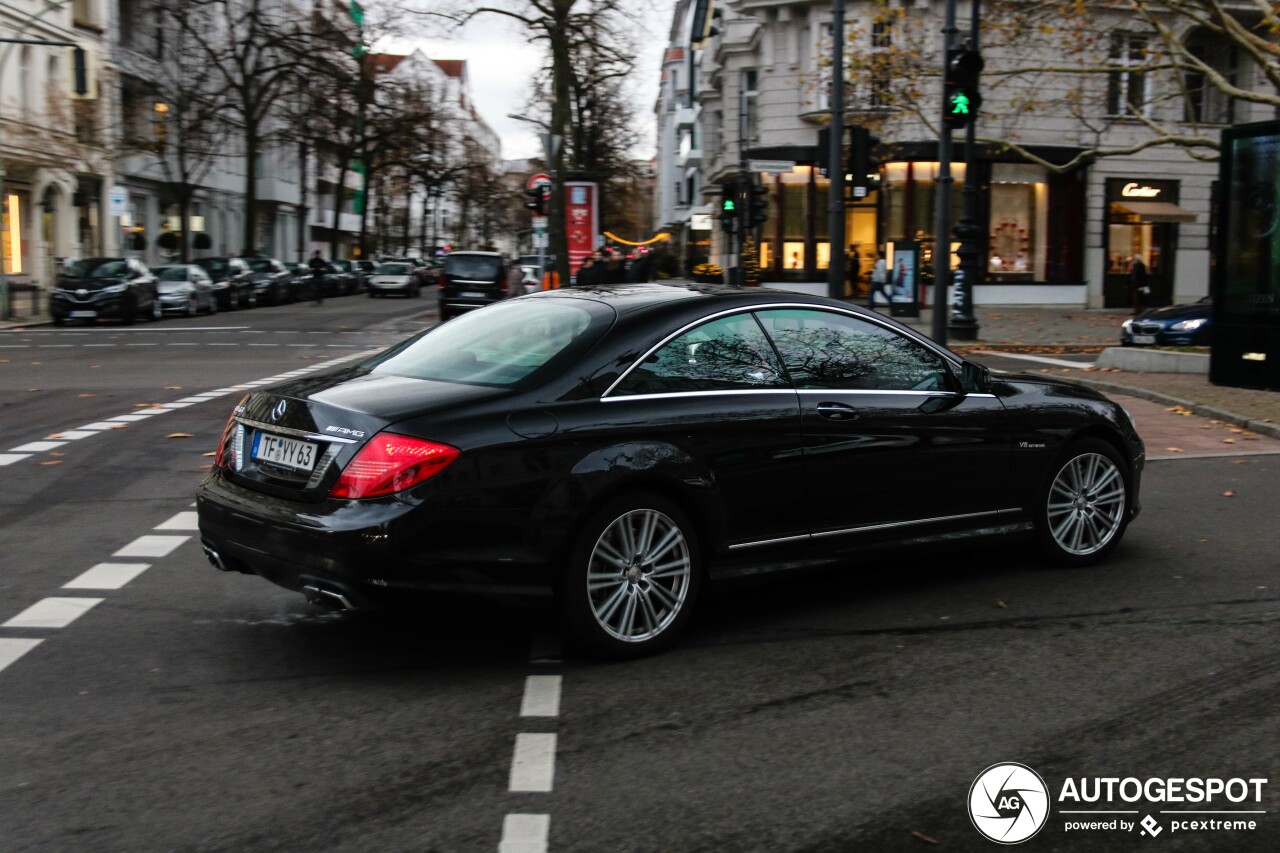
column 632, row 577
column 1084, row 508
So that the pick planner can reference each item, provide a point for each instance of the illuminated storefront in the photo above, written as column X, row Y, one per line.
column 11, row 242
column 1142, row 219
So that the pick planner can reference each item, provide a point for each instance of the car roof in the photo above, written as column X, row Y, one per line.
column 625, row 298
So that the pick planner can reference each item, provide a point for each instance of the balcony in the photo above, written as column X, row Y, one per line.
column 685, row 117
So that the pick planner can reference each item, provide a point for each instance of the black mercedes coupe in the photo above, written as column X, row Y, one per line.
column 622, row 445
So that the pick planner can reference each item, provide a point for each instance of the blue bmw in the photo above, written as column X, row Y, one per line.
column 1174, row 325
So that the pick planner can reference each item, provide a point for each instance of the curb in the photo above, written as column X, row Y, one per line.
column 1272, row 430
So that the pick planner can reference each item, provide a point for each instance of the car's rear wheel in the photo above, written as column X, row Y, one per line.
column 1084, row 508
column 193, row 305
column 632, row 578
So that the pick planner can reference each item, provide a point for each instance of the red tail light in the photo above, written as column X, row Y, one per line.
column 226, row 433
column 392, row 463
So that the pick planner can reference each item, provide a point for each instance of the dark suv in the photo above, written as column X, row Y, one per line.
column 232, row 282
column 119, row 288
column 471, row 280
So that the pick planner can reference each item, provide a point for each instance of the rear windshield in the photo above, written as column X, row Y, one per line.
column 473, row 267
column 393, row 269
column 506, row 344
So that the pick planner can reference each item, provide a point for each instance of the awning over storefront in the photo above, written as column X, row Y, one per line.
column 1156, row 211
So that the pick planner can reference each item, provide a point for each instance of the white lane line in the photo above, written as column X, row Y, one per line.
column 196, row 399
column 1056, row 362
column 74, row 434
column 525, row 833
column 131, row 418
column 99, row 425
column 36, row 446
column 182, row 345
column 10, row 458
column 143, row 345
column 181, row 521
column 54, row 346
column 107, row 576
column 97, row 345
column 533, row 765
column 541, row 696
column 151, row 546
column 170, row 406
column 52, row 613
column 12, row 648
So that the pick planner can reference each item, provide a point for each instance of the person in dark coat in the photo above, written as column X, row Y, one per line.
column 615, row 270
column 1138, row 286
column 588, row 273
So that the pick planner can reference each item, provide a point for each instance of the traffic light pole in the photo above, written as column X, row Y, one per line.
column 835, row 163
column 963, row 325
column 942, row 206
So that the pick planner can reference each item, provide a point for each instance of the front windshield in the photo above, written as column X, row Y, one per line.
column 98, row 268
column 174, row 274
column 393, row 269
column 261, row 266
column 504, row 344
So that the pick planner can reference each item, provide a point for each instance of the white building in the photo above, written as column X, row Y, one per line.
column 53, row 152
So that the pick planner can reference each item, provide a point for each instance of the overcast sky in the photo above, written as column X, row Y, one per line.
column 501, row 62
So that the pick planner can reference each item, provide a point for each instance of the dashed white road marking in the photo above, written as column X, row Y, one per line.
column 12, row 648
column 37, row 446
column 131, row 418
column 151, row 546
column 52, row 613
column 533, row 765
column 525, row 833
column 10, row 458
column 74, row 434
column 100, row 425
column 181, row 521
column 107, row 576
column 541, row 696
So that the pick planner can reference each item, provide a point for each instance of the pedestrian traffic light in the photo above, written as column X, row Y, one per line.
column 728, row 207
column 864, row 161
column 538, row 200
column 759, row 204
column 960, row 106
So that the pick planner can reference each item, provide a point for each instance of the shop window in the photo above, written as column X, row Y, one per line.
column 1016, row 247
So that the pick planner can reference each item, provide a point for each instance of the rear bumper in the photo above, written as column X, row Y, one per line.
column 369, row 551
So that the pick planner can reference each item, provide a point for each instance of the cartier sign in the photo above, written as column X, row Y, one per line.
column 1137, row 190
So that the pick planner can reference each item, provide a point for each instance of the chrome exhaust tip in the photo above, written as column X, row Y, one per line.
column 215, row 559
column 326, row 597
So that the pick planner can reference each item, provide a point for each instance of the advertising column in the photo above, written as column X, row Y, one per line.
column 581, row 221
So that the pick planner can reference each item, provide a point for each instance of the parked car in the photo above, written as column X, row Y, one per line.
column 422, row 270
column 394, row 277
column 105, row 288
column 1173, row 325
column 366, row 272
column 299, row 281
column 340, row 280
column 185, row 289
column 353, row 278
column 272, row 281
column 470, row 280
column 624, row 445
column 233, row 281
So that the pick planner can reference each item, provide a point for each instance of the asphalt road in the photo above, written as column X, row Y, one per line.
column 846, row 710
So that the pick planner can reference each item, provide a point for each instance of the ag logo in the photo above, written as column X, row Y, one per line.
column 1008, row 803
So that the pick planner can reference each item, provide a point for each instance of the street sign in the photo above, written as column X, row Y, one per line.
column 539, row 180
column 539, row 223
column 771, row 167
column 117, row 201
column 540, row 240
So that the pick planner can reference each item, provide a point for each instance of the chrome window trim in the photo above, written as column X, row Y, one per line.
column 716, row 393
column 869, row 527
column 777, row 306
column 314, row 436
column 873, row 391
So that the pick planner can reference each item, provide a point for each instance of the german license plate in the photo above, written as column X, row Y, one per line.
column 285, row 452
column 471, row 294
column 1144, row 339
column 82, row 314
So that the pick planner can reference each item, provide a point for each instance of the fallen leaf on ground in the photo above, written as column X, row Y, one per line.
column 1228, row 494
column 173, row 387
column 33, row 389
column 179, row 435
column 1239, row 461
column 1174, row 449
column 86, row 395
column 121, row 426
column 920, row 835
column 52, row 462
column 1228, row 441
column 1205, row 426
column 1001, row 604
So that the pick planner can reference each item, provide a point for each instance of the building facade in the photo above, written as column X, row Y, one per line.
column 1059, row 223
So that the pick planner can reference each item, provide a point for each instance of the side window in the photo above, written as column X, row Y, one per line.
column 821, row 349
column 727, row 354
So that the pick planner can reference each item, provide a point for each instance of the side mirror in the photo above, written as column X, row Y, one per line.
column 974, row 378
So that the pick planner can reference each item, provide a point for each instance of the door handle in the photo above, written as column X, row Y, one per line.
column 837, row 411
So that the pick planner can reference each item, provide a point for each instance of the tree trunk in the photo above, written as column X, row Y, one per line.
column 561, row 71
column 339, row 192
column 252, row 141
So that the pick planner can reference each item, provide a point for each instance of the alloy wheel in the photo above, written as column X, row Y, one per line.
column 1086, row 504
column 638, row 575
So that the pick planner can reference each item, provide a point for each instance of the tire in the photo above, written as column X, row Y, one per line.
column 632, row 577
column 1083, row 508
column 59, row 321
column 213, row 305
column 193, row 306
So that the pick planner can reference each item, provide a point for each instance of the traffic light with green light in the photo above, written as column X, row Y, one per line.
column 728, row 207
column 964, row 67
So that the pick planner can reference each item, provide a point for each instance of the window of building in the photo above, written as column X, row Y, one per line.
column 1019, row 200
column 727, row 354
column 1127, row 85
column 880, row 81
column 24, row 84
column 1206, row 103
column 750, row 95
column 825, row 350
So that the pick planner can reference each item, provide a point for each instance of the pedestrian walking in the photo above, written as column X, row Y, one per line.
column 1139, row 287
column 587, row 273
column 853, row 269
column 615, row 270
column 879, row 281
column 317, row 267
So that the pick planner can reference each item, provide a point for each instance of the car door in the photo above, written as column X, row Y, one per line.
column 893, row 447
column 713, row 403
